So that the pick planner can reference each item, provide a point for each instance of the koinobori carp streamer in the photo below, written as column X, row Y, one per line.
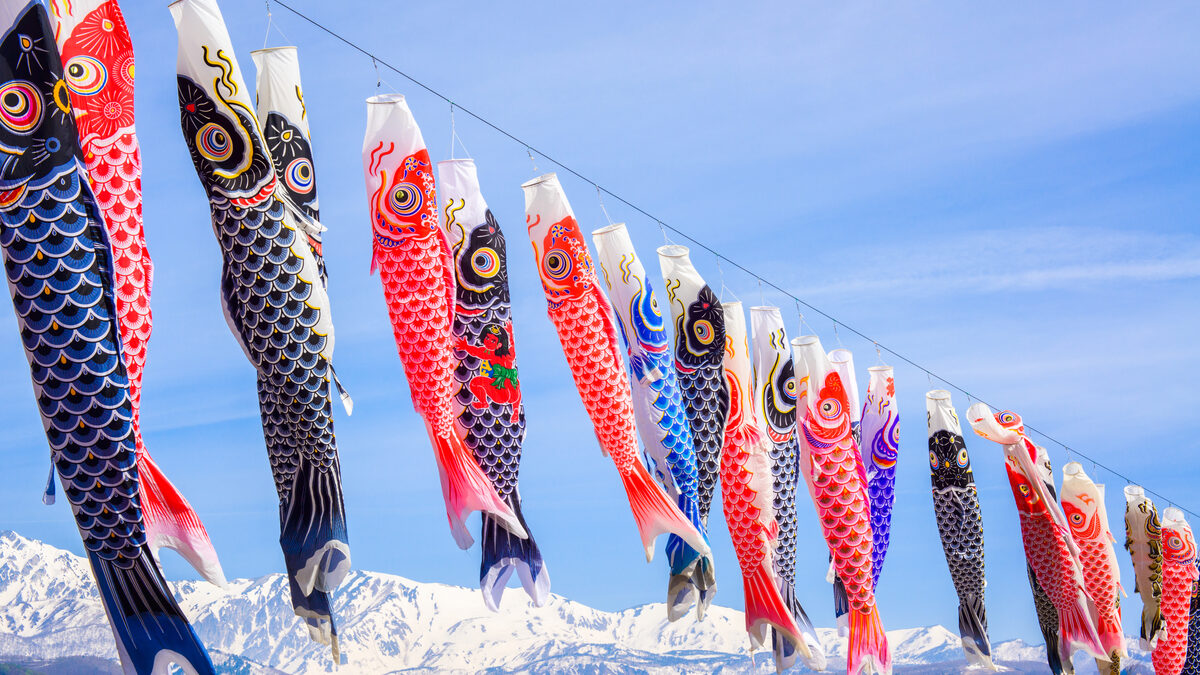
column 59, row 269
column 1049, row 547
column 748, row 495
column 415, row 265
column 488, row 400
column 1179, row 576
column 586, row 327
column 276, row 306
column 774, row 398
column 960, row 523
column 1143, row 540
column 1083, row 503
column 98, row 63
column 657, row 405
column 833, row 470
column 699, row 349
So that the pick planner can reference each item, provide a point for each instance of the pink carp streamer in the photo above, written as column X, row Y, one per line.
column 1083, row 503
column 1049, row 547
column 833, row 469
column 583, row 318
column 1179, row 576
column 97, row 55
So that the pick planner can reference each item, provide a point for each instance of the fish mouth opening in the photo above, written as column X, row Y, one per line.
column 383, row 99
column 938, row 395
column 608, row 228
column 805, row 341
column 881, row 369
column 1135, row 491
column 267, row 50
column 540, row 179
column 673, row 251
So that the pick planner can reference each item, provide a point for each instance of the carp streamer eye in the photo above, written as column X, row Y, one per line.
column 963, row 458
column 213, row 143
column 299, row 175
column 933, row 460
column 830, row 408
column 703, row 330
column 405, row 200
column 485, row 262
column 20, row 106
column 789, row 388
column 558, row 265
column 86, row 75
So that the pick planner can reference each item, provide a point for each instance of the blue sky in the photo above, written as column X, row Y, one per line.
column 1007, row 196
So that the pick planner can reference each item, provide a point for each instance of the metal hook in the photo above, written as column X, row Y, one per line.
column 663, row 229
column 600, row 197
column 453, row 132
column 267, row 34
column 532, row 161
column 378, row 79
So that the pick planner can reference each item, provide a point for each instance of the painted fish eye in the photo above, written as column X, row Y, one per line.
column 830, row 408
column 1006, row 418
column 213, row 143
column 557, row 264
column 86, row 75
column 963, row 458
column 933, row 459
column 25, row 42
column 789, row 388
column 286, row 136
column 1077, row 518
column 20, row 106
column 298, row 175
column 405, row 200
column 485, row 262
column 703, row 330
column 1024, row 489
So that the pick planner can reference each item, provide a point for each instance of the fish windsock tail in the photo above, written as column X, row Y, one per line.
column 655, row 513
column 1076, row 630
column 312, row 534
column 150, row 628
column 972, row 627
column 867, row 651
column 816, row 659
column 692, row 580
column 172, row 523
column 1112, row 639
column 466, row 489
column 765, row 608
column 841, row 603
column 505, row 553
column 316, row 609
column 1152, row 623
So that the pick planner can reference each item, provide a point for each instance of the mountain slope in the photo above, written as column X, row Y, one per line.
column 50, row 613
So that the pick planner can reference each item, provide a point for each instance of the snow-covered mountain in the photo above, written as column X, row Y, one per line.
column 51, row 620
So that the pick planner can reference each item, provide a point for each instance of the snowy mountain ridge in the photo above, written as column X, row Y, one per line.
column 50, row 613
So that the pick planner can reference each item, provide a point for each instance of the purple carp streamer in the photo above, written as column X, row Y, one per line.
column 59, row 267
column 276, row 307
column 960, row 523
column 881, row 429
column 774, row 397
column 490, row 413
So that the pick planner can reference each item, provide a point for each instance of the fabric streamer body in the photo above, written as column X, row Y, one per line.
column 1049, row 547
column 283, row 116
column 276, row 307
column 1143, row 540
column 59, row 268
column 1191, row 662
column 699, row 357
column 98, row 64
column 833, row 469
column 774, row 398
column 747, row 490
column 881, row 429
column 658, row 409
column 960, row 523
column 1083, row 503
column 488, row 401
column 583, row 319
column 1179, row 575
column 842, row 361
column 416, row 267
column 1046, row 613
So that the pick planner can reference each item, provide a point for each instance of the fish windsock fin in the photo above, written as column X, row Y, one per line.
column 765, row 608
column 867, row 651
column 972, row 628
column 1076, row 630
column 150, row 629
column 692, row 579
column 48, row 493
column 816, row 659
column 655, row 513
column 172, row 523
column 347, row 401
column 504, row 553
column 841, row 605
column 465, row 489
